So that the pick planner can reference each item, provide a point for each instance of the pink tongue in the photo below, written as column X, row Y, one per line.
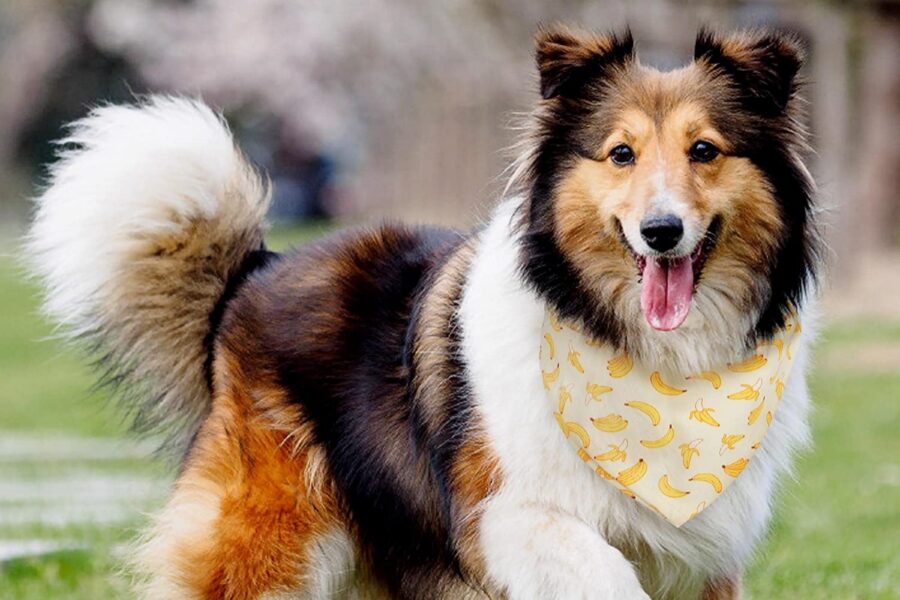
column 667, row 288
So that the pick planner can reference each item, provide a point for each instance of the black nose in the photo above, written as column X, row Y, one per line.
column 662, row 233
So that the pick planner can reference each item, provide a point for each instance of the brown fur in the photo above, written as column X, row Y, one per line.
column 724, row 589
column 660, row 115
column 267, row 498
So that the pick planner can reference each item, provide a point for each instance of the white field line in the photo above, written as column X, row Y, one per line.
column 100, row 513
column 21, row 548
column 70, row 492
column 16, row 447
column 81, row 487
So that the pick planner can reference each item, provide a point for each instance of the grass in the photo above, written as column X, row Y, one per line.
column 836, row 534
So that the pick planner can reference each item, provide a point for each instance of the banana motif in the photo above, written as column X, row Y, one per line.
column 779, row 344
column 550, row 377
column 728, row 442
column 615, row 454
column 703, row 415
column 620, row 366
column 757, row 361
column 575, row 360
column 640, row 456
column 647, row 409
column 734, row 469
column 568, row 428
column 632, row 474
column 689, row 451
column 550, row 345
column 554, row 323
column 748, row 392
column 604, row 474
column 629, row 493
column 610, row 423
column 665, row 440
column 666, row 488
column 596, row 390
column 564, row 397
column 699, row 509
column 711, row 376
column 754, row 414
column 662, row 387
column 710, row 479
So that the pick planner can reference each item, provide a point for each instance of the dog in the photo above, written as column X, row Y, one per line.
column 364, row 417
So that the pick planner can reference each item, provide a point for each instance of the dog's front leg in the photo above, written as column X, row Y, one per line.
column 535, row 552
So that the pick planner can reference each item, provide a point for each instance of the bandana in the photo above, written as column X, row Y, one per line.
column 671, row 441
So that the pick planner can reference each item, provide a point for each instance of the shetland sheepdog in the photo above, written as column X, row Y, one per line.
column 364, row 416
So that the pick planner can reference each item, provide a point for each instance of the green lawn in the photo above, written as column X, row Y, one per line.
column 836, row 535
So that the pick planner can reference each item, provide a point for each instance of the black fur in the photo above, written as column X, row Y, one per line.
column 333, row 321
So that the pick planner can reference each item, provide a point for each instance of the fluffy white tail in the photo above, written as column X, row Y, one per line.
column 150, row 210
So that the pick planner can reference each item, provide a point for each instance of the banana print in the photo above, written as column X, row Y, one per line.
column 748, row 391
column 647, row 409
column 554, row 322
column 689, row 451
column 620, row 366
column 564, row 398
column 569, row 428
column 711, row 479
column 755, row 362
column 662, row 387
column 734, row 469
column 610, row 423
column 550, row 346
column 754, row 414
column 779, row 345
column 628, row 493
column 658, row 457
column 604, row 473
column 615, row 454
column 728, row 442
column 633, row 474
column 665, row 440
column 595, row 390
column 575, row 359
column 666, row 488
column 711, row 376
column 703, row 415
column 698, row 510
column 550, row 377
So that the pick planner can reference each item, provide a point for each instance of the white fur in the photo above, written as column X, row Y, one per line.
column 554, row 522
column 149, row 210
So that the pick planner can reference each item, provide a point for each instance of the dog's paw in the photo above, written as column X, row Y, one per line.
column 535, row 554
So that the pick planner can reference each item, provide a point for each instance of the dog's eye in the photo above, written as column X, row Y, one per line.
column 622, row 155
column 703, row 152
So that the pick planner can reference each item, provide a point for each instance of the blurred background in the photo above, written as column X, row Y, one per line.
column 369, row 109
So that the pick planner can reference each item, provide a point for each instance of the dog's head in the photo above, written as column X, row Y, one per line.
column 661, row 205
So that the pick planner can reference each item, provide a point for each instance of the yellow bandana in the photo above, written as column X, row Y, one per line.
column 671, row 441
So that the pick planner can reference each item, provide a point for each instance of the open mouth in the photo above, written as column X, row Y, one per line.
column 668, row 282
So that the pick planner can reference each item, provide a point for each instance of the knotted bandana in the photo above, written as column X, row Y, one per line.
column 671, row 441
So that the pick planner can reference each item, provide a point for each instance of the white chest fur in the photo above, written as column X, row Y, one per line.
column 501, row 322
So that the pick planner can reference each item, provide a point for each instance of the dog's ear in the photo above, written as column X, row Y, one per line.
column 568, row 60
column 763, row 65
